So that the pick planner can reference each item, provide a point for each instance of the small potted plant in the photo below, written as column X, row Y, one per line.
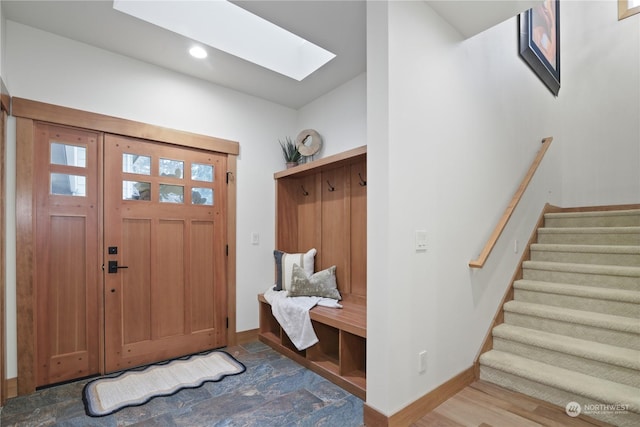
column 290, row 152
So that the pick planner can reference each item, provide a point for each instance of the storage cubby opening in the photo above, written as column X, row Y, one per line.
column 287, row 343
column 327, row 349
column 353, row 355
column 269, row 326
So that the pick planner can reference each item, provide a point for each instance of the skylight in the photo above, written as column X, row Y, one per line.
column 227, row 27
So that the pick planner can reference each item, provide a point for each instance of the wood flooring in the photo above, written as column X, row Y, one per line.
column 484, row 404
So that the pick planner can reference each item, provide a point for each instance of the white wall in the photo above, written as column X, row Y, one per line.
column 600, row 98
column 64, row 72
column 340, row 117
column 464, row 120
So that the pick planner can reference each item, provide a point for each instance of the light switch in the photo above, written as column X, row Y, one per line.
column 255, row 238
column 421, row 240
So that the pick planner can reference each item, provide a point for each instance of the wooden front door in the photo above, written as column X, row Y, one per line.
column 165, row 249
column 67, row 255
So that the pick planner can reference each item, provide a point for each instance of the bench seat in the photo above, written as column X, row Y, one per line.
column 339, row 355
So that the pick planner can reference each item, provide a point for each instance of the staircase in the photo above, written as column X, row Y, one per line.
column 572, row 331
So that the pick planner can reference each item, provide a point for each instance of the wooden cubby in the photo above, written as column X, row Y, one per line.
column 323, row 205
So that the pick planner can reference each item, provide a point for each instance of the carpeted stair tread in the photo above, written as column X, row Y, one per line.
column 627, row 217
column 598, row 249
column 628, row 255
column 629, row 235
column 589, row 230
column 598, row 320
column 598, row 389
column 609, row 270
column 623, row 357
column 621, row 295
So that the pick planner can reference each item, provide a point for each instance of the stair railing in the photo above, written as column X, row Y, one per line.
column 493, row 239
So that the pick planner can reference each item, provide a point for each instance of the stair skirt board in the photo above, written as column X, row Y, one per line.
column 557, row 397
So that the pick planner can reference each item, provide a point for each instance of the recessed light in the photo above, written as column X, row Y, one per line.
column 198, row 52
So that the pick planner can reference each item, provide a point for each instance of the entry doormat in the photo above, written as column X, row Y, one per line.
column 135, row 387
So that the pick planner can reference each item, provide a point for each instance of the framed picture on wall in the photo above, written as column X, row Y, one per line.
column 539, row 42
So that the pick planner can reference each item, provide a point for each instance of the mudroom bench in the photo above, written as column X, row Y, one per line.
column 339, row 355
column 322, row 204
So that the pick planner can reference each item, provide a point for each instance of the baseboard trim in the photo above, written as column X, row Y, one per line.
column 421, row 407
column 12, row 387
column 247, row 336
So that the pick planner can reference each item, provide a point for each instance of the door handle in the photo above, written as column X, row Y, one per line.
column 112, row 266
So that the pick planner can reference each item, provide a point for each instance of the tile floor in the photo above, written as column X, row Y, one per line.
column 274, row 391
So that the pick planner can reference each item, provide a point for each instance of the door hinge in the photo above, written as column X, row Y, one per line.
column 227, row 323
column 229, row 176
column 226, row 250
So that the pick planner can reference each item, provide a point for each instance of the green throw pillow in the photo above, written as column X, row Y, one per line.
column 321, row 284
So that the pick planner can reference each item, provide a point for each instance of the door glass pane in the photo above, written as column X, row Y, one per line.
column 68, row 155
column 68, row 185
column 135, row 163
column 171, row 193
column 202, row 196
column 135, row 190
column 200, row 172
column 174, row 168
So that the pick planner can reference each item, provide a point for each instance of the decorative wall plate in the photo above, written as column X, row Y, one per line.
column 308, row 142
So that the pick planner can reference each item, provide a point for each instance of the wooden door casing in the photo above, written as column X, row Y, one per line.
column 170, row 297
column 67, row 256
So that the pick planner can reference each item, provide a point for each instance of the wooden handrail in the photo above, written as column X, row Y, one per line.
column 493, row 239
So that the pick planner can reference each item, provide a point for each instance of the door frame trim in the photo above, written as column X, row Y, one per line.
column 26, row 113
column 5, row 109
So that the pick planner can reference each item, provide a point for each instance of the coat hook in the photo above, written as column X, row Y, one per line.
column 363, row 182
column 331, row 187
column 305, row 192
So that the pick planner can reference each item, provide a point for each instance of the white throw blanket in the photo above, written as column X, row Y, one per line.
column 293, row 315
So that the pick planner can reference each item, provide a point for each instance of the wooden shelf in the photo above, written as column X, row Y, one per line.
column 330, row 162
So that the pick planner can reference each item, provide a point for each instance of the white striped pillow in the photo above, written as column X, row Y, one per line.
column 284, row 266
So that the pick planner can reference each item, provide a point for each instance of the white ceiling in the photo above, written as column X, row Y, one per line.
column 336, row 25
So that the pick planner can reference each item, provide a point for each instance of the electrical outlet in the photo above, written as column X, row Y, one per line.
column 422, row 361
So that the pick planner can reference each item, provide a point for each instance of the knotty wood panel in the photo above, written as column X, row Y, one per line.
column 168, row 288
column 307, row 191
column 136, row 304
column 67, row 299
column 358, row 223
column 202, row 275
column 336, row 227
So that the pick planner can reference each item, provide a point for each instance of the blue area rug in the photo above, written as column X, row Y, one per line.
column 135, row 387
